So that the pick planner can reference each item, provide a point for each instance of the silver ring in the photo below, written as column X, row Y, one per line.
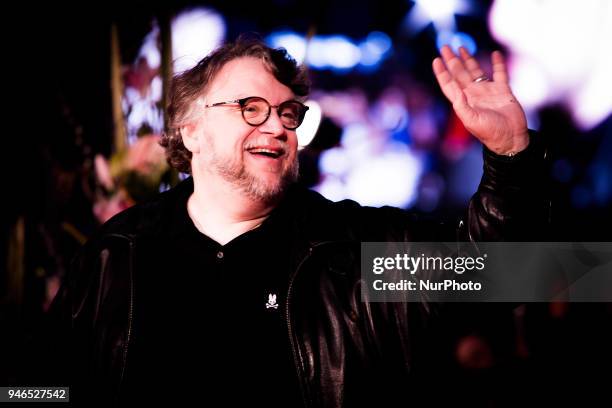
column 481, row 78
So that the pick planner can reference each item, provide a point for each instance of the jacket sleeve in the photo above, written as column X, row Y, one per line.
column 512, row 202
column 52, row 343
column 84, row 333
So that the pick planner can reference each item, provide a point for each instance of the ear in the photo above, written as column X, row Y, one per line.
column 190, row 136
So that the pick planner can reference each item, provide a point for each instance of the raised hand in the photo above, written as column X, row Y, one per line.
column 487, row 108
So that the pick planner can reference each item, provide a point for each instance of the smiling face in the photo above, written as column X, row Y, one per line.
column 259, row 161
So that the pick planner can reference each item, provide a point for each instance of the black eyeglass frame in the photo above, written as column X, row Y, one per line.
column 243, row 102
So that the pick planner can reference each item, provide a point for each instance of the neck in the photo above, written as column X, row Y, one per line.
column 222, row 212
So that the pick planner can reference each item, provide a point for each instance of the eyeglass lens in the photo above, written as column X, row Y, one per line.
column 257, row 110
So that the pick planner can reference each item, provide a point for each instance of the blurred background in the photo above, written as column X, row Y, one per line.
column 85, row 84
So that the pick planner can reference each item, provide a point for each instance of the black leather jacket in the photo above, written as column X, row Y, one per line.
column 343, row 348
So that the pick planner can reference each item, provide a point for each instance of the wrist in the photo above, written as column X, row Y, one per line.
column 519, row 143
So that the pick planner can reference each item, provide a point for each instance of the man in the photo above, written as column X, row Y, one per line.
column 238, row 286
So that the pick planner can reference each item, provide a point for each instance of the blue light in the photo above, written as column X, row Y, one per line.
column 439, row 12
column 562, row 171
column 601, row 176
column 315, row 53
column 581, row 197
column 341, row 52
column 380, row 42
column 334, row 52
column 295, row 44
column 456, row 40
column 369, row 55
column 374, row 49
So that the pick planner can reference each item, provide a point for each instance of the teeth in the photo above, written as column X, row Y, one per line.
column 265, row 151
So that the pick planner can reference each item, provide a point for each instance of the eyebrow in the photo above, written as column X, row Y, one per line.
column 248, row 95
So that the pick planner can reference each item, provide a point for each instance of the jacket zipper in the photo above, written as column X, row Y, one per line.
column 130, row 320
column 298, row 361
column 130, row 314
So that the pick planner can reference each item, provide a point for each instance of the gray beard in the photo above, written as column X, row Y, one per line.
column 236, row 174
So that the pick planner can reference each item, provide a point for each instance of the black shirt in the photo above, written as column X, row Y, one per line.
column 212, row 323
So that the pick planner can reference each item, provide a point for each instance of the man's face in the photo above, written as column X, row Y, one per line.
column 260, row 161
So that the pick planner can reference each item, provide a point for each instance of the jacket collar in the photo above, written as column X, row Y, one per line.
column 311, row 217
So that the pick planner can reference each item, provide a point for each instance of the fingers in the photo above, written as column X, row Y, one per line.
column 451, row 89
column 456, row 67
column 449, row 86
column 500, row 70
column 465, row 69
column 470, row 63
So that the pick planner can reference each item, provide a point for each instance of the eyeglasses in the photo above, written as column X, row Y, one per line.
column 256, row 110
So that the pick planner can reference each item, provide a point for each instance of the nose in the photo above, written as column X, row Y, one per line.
column 273, row 125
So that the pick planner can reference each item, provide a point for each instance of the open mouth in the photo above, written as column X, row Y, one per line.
column 271, row 153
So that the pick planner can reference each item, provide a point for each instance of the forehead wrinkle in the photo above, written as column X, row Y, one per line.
column 237, row 77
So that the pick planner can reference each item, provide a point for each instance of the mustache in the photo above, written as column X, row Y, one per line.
column 279, row 147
